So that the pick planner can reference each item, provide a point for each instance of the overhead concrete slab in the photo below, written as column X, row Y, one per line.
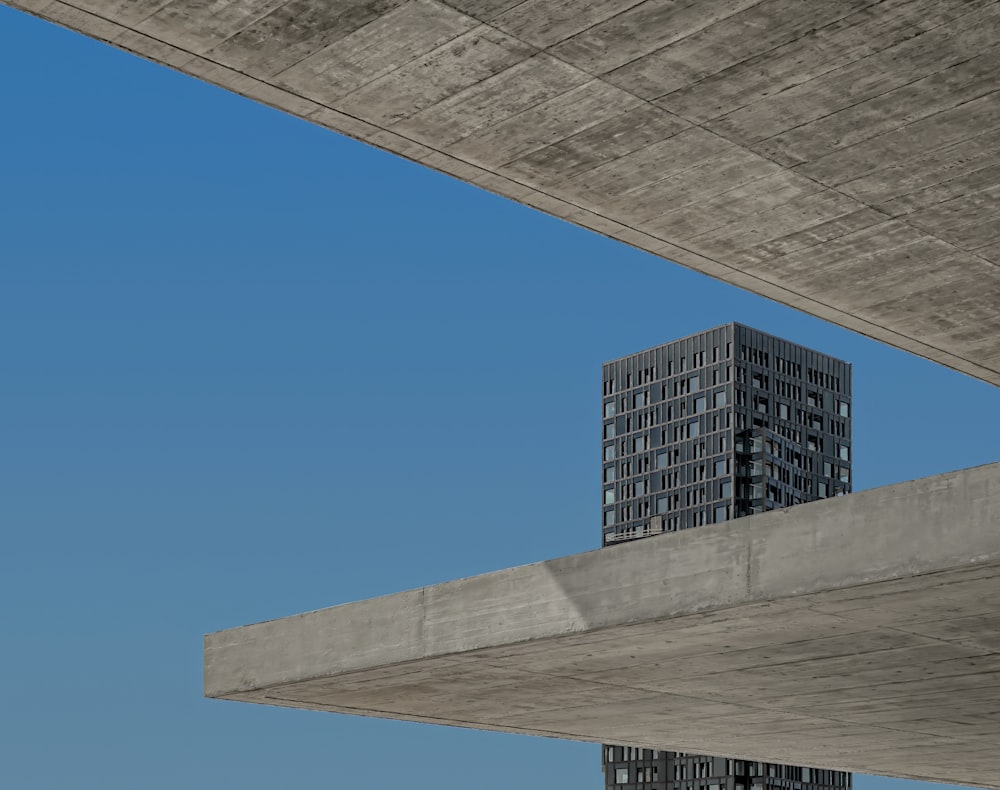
column 860, row 634
column 840, row 157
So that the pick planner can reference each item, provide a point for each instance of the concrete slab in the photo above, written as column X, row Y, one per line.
column 746, row 139
column 860, row 633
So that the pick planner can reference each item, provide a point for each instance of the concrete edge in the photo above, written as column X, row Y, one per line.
column 934, row 524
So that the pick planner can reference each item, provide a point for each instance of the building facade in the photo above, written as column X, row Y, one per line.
column 627, row 767
column 726, row 423
column 722, row 424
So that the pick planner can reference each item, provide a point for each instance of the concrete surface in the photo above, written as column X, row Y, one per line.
column 837, row 156
column 860, row 633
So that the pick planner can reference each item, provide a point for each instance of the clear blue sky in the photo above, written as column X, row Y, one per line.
column 250, row 368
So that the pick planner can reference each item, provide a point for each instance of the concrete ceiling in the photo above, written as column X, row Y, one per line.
column 840, row 157
column 860, row 633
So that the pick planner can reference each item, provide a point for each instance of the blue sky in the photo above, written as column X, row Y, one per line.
column 250, row 368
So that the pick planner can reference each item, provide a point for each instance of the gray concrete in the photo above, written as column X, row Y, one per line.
column 837, row 156
column 859, row 633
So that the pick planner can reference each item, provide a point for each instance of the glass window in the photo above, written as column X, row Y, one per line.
column 640, row 488
column 693, row 429
column 609, row 474
column 699, row 404
column 609, row 452
column 721, row 514
column 844, row 452
column 661, row 505
column 609, row 496
column 638, row 444
column 692, row 384
column 609, row 517
column 720, row 399
column 661, row 460
column 721, row 467
column 639, row 399
column 609, row 409
column 726, row 489
column 609, row 430
column 621, row 774
column 843, row 408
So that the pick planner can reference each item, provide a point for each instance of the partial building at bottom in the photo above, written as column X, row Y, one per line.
column 626, row 767
column 722, row 424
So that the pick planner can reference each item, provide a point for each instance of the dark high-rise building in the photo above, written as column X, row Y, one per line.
column 722, row 424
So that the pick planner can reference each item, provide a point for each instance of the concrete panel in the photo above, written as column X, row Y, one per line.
column 757, row 28
column 847, row 41
column 735, row 137
column 376, row 49
column 860, row 633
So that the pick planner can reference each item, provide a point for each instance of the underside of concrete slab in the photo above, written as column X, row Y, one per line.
column 860, row 633
column 840, row 157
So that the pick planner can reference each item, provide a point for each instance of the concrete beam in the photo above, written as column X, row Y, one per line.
column 860, row 633
column 840, row 157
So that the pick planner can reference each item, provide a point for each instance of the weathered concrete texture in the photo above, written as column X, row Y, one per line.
column 840, row 156
column 859, row 633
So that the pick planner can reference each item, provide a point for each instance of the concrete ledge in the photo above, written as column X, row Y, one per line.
column 840, row 158
column 861, row 633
